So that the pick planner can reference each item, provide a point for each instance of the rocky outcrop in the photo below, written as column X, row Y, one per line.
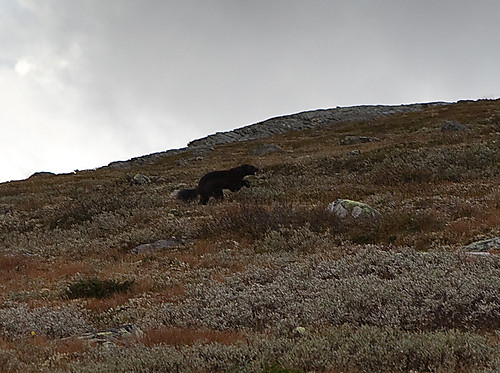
column 278, row 125
column 305, row 120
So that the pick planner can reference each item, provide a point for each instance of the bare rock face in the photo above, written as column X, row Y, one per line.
column 345, row 208
column 305, row 120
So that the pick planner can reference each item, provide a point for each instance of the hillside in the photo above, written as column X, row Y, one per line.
column 101, row 270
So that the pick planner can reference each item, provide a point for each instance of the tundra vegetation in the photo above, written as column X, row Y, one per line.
column 267, row 280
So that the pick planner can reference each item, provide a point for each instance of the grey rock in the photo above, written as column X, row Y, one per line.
column 345, row 208
column 111, row 336
column 351, row 140
column 484, row 246
column 267, row 149
column 299, row 332
column 140, row 179
column 158, row 245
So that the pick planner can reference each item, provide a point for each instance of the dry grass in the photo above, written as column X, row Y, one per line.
column 269, row 258
column 174, row 336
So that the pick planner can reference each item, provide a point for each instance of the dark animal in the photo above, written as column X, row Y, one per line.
column 212, row 184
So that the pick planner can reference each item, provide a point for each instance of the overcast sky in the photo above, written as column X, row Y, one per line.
column 87, row 82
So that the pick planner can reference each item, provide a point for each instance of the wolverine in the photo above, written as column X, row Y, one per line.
column 212, row 184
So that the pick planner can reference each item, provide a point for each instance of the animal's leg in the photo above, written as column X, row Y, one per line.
column 237, row 186
column 218, row 194
column 204, row 199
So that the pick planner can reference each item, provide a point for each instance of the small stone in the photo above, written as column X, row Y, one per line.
column 140, row 179
column 299, row 331
column 351, row 140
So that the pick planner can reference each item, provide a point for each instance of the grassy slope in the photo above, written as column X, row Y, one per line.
column 391, row 295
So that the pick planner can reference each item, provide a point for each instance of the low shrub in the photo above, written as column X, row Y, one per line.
column 255, row 220
column 348, row 349
column 297, row 240
column 20, row 321
column 409, row 290
column 95, row 288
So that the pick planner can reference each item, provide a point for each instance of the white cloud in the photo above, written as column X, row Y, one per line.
column 23, row 67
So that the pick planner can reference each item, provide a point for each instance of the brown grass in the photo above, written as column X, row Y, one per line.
column 105, row 304
column 187, row 337
column 173, row 293
column 71, row 346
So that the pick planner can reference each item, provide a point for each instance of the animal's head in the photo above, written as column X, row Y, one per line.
column 248, row 169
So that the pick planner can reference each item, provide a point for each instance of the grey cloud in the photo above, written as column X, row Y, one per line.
column 152, row 75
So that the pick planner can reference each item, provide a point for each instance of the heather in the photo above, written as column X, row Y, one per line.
column 267, row 280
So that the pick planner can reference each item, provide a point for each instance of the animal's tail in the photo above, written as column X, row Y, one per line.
column 187, row 194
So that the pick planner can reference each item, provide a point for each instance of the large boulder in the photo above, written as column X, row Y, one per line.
column 344, row 208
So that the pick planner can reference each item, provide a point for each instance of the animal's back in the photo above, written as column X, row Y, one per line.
column 215, row 178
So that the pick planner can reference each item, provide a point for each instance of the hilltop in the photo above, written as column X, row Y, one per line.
column 283, row 124
column 101, row 270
